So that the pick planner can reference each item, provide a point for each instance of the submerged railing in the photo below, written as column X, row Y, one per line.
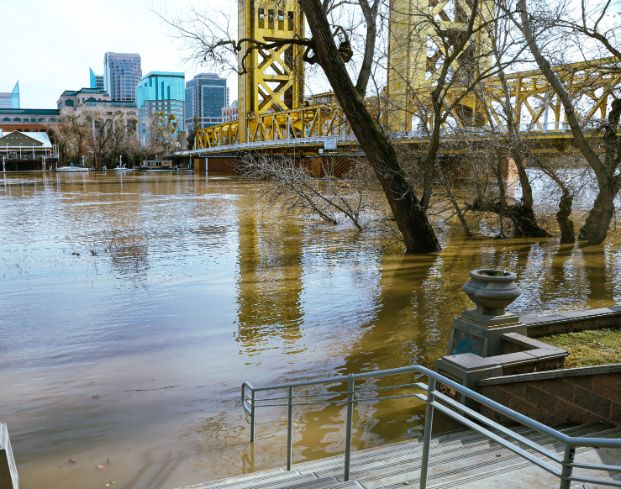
column 434, row 399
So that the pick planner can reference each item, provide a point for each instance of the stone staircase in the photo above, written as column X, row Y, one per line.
column 462, row 459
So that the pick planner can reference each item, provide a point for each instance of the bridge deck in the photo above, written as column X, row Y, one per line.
column 553, row 140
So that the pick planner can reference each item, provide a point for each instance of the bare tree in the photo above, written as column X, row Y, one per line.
column 291, row 185
column 455, row 101
column 321, row 49
column 72, row 137
column 162, row 135
column 606, row 173
column 409, row 214
column 99, row 133
column 508, row 140
column 594, row 20
column 462, row 62
column 565, row 204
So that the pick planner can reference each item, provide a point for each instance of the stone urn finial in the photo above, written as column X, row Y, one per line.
column 492, row 290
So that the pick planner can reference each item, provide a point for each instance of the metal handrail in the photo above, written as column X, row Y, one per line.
column 436, row 400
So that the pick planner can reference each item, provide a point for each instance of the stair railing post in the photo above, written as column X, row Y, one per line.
column 568, row 461
column 290, row 429
column 252, row 395
column 348, row 428
column 424, row 464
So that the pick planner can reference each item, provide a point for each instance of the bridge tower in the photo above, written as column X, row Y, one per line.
column 270, row 80
column 416, row 51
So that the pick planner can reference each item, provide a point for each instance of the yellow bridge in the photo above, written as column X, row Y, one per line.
column 274, row 115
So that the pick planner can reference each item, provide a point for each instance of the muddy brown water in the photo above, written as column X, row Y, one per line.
column 133, row 306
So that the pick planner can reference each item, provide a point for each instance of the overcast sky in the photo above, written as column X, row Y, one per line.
column 49, row 46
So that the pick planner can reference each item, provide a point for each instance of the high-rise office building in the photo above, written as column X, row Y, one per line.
column 97, row 81
column 205, row 96
column 160, row 93
column 10, row 100
column 122, row 73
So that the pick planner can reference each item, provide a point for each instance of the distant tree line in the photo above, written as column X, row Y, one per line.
column 100, row 138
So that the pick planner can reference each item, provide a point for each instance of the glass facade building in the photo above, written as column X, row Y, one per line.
column 10, row 100
column 97, row 81
column 205, row 96
column 160, row 92
column 122, row 73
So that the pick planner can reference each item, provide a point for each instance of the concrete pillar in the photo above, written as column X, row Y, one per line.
column 476, row 334
column 479, row 330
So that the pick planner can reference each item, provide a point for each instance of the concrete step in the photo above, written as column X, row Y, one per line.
column 446, row 443
column 283, row 479
column 513, row 472
column 327, row 483
column 463, row 459
column 490, row 461
column 403, row 464
column 255, row 479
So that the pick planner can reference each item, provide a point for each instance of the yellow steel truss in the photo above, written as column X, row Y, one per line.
column 589, row 83
column 534, row 104
column 421, row 35
column 271, row 105
column 312, row 121
column 272, row 80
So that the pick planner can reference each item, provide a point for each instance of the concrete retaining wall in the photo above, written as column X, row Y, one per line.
column 578, row 395
column 570, row 321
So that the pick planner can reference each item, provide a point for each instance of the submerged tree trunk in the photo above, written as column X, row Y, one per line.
column 418, row 235
column 566, row 225
column 596, row 226
column 521, row 213
column 524, row 219
column 563, row 216
column 525, row 223
column 521, row 217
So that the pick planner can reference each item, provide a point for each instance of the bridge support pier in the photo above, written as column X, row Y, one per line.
column 200, row 165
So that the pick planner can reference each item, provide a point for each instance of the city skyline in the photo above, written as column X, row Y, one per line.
column 121, row 26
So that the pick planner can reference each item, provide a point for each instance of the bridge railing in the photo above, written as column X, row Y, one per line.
column 417, row 135
column 435, row 393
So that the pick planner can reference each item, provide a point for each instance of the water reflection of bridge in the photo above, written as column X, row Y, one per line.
column 412, row 300
column 270, row 280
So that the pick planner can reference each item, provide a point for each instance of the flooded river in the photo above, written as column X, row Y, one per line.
column 133, row 306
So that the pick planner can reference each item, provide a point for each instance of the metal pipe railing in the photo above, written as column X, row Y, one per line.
column 351, row 394
column 290, row 428
column 424, row 464
column 435, row 399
